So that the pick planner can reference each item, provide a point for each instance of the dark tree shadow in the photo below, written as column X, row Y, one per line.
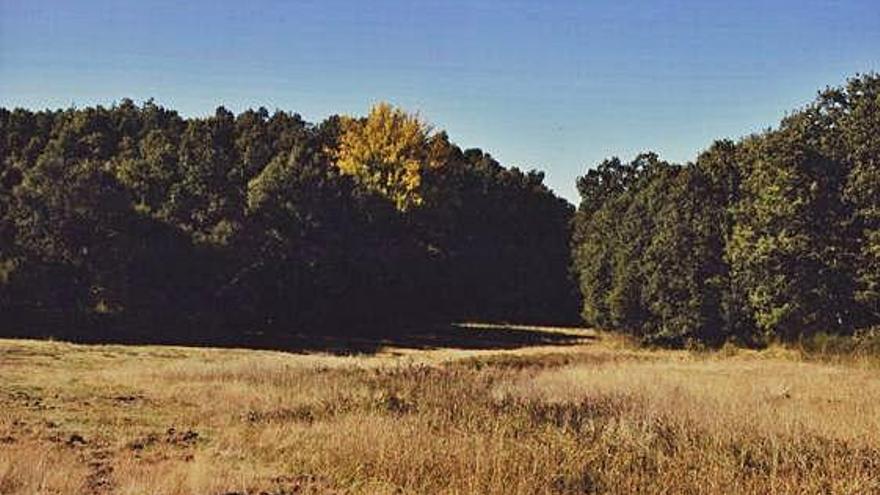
column 448, row 336
column 360, row 341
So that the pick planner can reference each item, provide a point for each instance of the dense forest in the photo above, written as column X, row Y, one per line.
column 133, row 222
column 776, row 236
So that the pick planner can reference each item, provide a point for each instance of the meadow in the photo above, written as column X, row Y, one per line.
column 478, row 410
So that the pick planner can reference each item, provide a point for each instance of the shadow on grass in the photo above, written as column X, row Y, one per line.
column 368, row 341
column 452, row 336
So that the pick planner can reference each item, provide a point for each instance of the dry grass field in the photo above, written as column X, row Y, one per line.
column 485, row 411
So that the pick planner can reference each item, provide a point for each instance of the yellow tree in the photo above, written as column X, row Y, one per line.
column 388, row 152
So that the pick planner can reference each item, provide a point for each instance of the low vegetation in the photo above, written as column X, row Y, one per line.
column 477, row 410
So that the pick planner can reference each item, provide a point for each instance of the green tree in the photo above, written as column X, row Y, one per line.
column 208, row 198
column 857, row 117
column 78, row 225
column 788, row 244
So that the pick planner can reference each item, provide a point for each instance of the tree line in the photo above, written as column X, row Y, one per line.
column 132, row 221
column 775, row 236
column 135, row 222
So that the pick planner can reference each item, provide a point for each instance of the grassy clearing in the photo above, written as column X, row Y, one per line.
column 591, row 414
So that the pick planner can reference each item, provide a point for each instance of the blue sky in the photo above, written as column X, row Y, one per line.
column 554, row 85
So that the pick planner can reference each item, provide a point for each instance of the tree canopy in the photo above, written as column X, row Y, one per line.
column 135, row 221
column 771, row 237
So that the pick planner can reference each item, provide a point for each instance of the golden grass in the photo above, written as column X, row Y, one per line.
column 597, row 416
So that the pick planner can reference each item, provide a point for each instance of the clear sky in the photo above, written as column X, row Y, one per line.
column 554, row 85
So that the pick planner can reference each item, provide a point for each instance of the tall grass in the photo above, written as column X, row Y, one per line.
column 593, row 418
